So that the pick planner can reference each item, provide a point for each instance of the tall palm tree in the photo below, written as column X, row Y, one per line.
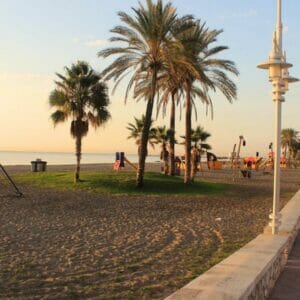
column 82, row 97
column 144, row 37
column 205, row 72
column 170, row 85
column 163, row 137
column 136, row 130
column 289, row 138
column 169, row 81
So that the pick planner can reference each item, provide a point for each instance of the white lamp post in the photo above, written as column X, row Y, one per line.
column 280, row 79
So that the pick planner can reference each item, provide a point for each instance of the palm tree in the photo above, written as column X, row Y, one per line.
column 204, row 73
column 136, row 130
column 169, row 81
column 163, row 137
column 198, row 140
column 145, row 36
column 82, row 97
column 289, row 138
column 170, row 85
column 296, row 153
column 199, row 137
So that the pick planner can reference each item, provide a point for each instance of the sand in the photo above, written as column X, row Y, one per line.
column 64, row 244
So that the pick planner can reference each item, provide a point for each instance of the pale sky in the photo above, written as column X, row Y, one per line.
column 40, row 37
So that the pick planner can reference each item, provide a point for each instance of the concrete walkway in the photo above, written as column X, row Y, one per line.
column 288, row 285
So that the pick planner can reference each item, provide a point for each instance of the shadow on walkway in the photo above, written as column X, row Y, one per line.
column 287, row 286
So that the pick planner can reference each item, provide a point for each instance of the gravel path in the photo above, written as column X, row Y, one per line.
column 58, row 245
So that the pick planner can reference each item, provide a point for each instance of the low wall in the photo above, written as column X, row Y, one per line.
column 251, row 272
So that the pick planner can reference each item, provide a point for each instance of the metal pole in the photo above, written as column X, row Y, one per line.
column 279, row 26
column 239, row 150
column 276, row 187
column 277, row 137
column 279, row 76
column 11, row 181
column 233, row 156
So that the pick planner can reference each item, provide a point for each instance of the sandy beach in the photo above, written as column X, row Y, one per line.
column 75, row 244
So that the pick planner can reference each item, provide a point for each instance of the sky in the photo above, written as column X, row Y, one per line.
column 41, row 37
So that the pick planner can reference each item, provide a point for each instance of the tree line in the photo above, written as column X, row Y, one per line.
column 165, row 57
column 163, row 136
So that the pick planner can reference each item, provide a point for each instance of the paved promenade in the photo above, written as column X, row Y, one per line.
column 288, row 284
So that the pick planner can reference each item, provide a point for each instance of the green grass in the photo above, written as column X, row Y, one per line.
column 121, row 183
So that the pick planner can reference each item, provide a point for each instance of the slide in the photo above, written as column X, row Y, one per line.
column 130, row 163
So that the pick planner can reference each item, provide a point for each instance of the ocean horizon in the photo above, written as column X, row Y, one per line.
column 64, row 158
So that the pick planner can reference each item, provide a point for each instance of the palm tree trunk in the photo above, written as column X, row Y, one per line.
column 172, row 138
column 145, row 133
column 78, row 158
column 188, row 127
column 290, row 156
column 164, row 150
column 285, row 151
column 193, row 163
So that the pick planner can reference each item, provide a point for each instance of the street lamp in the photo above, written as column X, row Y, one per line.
column 280, row 79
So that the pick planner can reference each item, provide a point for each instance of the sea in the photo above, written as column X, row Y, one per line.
column 57, row 158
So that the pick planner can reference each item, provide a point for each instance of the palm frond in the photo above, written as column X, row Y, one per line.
column 58, row 117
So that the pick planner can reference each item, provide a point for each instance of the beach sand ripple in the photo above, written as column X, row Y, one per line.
column 57, row 244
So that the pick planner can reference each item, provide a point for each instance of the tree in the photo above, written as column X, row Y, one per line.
column 198, row 140
column 82, row 97
column 289, row 140
column 163, row 137
column 205, row 73
column 136, row 130
column 171, row 88
column 144, row 37
column 169, row 80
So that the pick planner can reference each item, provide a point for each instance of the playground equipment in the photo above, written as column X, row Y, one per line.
column 182, row 163
column 177, row 165
column 235, row 156
column 232, row 156
column 130, row 163
column 120, row 162
column 283, row 162
column 164, row 161
column 240, row 166
column 212, row 161
column 254, row 161
column 267, row 165
column 10, row 180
